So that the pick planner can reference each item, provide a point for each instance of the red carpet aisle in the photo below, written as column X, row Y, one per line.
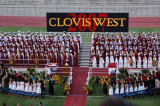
column 77, row 96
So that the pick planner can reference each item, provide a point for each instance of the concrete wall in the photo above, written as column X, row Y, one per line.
column 40, row 7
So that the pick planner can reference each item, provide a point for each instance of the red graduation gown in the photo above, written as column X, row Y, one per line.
column 59, row 60
column 75, row 59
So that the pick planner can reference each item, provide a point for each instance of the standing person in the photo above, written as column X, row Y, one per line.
column 51, row 86
column 125, row 62
column 14, row 85
column 94, row 64
column 157, row 85
column 150, row 62
column 106, row 61
column 6, row 81
column 18, row 85
column 42, row 84
column 101, row 62
column 75, row 59
column 30, row 86
column 38, row 88
column 117, row 88
column 120, row 62
column 105, row 88
column 34, row 89
column 145, row 62
column 22, row 85
column 110, row 90
column 139, row 62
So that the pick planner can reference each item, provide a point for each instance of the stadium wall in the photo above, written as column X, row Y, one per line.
column 136, row 8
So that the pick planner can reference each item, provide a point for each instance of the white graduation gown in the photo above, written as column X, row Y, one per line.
column 139, row 62
column 111, row 59
column 94, row 64
column 144, row 62
column 106, row 61
column 101, row 62
column 149, row 62
column 120, row 62
column 159, row 63
column 125, row 62
column 134, row 62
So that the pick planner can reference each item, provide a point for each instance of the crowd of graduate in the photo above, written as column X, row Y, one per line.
column 142, row 49
column 24, row 48
column 20, row 83
column 139, row 84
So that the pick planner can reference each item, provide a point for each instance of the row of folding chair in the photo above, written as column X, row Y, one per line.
column 20, row 93
column 139, row 93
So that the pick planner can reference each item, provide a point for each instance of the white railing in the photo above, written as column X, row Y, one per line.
column 24, row 62
column 128, row 66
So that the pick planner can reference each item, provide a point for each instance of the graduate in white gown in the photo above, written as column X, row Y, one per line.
column 10, row 83
column 18, row 86
column 101, row 62
column 30, row 86
column 129, row 59
column 116, row 59
column 117, row 89
column 14, row 85
column 139, row 62
column 120, row 62
column 94, row 64
column 26, row 87
column 34, row 89
column 144, row 61
column 158, row 60
column 150, row 62
column 110, row 90
column 111, row 59
column 106, row 61
column 134, row 61
column 131, row 88
column 126, row 88
column 22, row 85
column 122, row 89
column 125, row 62
column 38, row 88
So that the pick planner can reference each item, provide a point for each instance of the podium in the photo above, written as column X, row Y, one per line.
column 51, row 68
column 112, row 68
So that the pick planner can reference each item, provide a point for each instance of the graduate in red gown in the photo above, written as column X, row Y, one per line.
column 97, row 57
column 75, row 47
column 53, row 57
column 2, row 57
column 45, row 58
column 41, row 58
column 70, row 59
column 49, row 57
column 75, row 59
column 21, row 58
column 64, row 58
column 59, row 59
column 31, row 58
column 26, row 61
column 7, row 59
column 17, row 59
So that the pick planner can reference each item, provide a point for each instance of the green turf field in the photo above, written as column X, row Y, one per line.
column 59, row 101
column 145, row 101
column 85, row 36
column 47, row 101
